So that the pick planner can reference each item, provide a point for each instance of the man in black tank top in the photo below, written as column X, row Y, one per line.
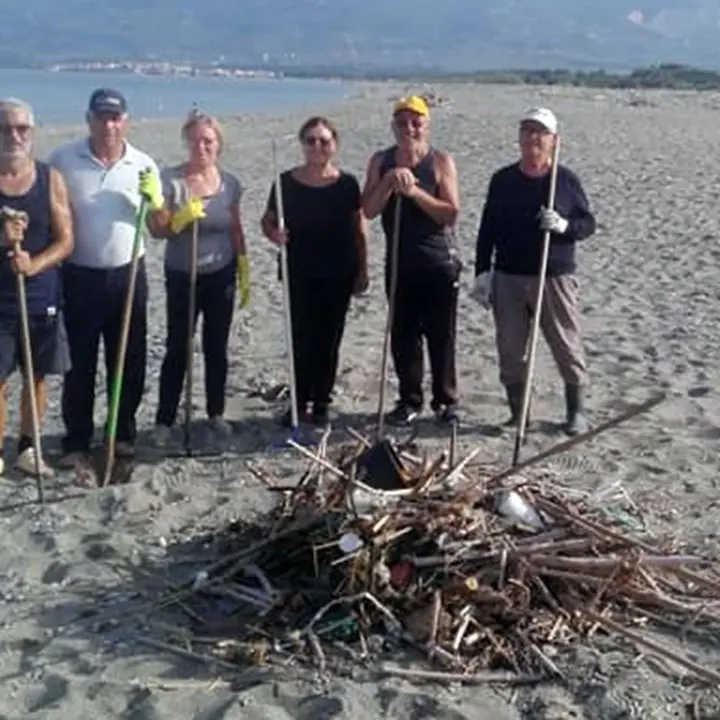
column 34, row 248
column 424, row 179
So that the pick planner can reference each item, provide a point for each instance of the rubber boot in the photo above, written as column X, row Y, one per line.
column 577, row 423
column 514, row 397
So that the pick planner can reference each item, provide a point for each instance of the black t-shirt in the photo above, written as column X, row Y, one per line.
column 320, row 222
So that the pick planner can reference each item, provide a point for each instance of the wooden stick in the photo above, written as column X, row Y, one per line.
column 560, row 513
column 537, row 314
column 566, row 445
column 607, row 564
column 456, row 471
column 712, row 676
column 475, row 678
column 30, row 381
column 560, row 546
column 119, row 369
column 316, row 458
column 189, row 348
column 394, row 252
column 540, row 655
column 187, row 654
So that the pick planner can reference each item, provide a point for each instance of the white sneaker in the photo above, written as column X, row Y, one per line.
column 26, row 463
column 221, row 426
column 161, row 436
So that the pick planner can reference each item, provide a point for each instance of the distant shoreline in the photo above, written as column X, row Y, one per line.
column 658, row 77
column 164, row 69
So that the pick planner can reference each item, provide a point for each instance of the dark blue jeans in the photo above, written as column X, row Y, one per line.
column 94, row 302
column 215, row 299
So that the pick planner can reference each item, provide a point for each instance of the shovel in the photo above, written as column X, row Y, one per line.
column 380, row 465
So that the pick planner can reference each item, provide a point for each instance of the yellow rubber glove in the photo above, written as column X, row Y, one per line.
column 150, row 187
column 243, row 280
column 190, row 212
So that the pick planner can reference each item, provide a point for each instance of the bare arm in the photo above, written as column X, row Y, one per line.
column 158, row 223
column 268, row 222
column 360, row 224
column 237, row 234
column 61, row 223
column 377, row 190
column 443, row 209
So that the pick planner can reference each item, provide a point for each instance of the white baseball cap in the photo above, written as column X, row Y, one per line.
column 544, row 116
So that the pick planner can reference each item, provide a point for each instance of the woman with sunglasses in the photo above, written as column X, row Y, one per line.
column 424, row 179
column 327, row 261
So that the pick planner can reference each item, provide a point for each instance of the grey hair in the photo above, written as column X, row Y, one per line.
column 9, row 105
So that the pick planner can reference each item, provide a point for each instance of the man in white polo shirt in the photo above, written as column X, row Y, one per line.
column 105, row 176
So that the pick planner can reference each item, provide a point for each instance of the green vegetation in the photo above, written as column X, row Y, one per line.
column 666, row 76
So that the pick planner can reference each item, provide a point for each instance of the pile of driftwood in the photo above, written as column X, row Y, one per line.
column 489, row 576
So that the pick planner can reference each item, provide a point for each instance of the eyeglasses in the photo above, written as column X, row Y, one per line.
column 9, row 130
column 315, row 140
column 411, row 123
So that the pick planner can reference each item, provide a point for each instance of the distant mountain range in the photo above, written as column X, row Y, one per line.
column 455, row 35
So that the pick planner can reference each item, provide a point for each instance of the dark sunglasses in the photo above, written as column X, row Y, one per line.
column 315, row 140
column 19, row 129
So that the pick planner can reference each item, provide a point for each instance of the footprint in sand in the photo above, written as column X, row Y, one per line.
column 140, row 706
column 415, row 705
column 98, row 546
column 319, row 707
column 55, row 573
column 54, row 689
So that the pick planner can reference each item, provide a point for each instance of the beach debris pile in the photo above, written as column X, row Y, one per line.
column 488, row 576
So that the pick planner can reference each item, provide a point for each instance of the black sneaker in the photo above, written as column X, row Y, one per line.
column 447, row 414
column 402, row 415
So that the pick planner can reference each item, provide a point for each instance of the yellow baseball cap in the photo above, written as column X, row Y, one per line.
column 413, row 103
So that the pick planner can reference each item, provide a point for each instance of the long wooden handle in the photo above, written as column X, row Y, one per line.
column 30, row 382
column 522, row 420
column 392, row 292
column 287, row 308
column 117, row 380
column 192, row 295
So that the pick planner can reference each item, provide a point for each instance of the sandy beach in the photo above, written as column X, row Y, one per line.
column 74, row 588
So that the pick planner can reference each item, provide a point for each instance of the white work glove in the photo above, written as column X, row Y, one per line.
column 482, row 289
column 551, row 220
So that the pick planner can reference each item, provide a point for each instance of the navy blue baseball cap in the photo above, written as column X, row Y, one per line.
column 107, row 100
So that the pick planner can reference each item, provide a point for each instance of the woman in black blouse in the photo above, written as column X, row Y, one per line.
column 325, row 235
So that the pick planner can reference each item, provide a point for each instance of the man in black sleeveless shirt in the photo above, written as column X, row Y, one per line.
column 34, row 248
column 424, row 180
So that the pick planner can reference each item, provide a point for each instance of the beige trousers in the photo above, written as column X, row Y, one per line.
column 513, row 301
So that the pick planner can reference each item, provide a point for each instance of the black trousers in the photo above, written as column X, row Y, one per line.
column 318, row 308
column 215, row 299
column 94, row 301
column 425, row 307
